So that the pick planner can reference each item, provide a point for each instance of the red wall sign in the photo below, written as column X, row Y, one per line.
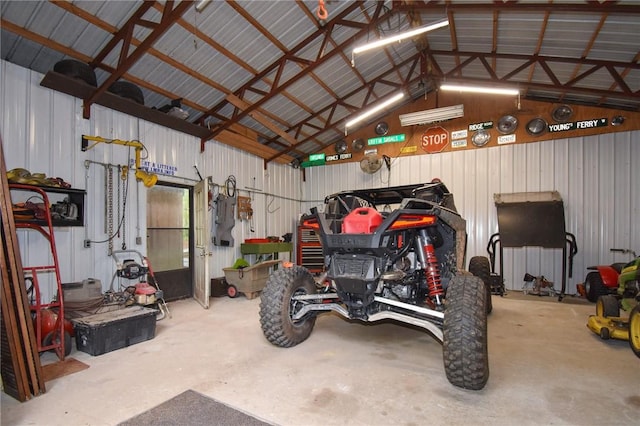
column 434, row 139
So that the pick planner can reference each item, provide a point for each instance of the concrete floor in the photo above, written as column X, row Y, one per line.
column 546, row 368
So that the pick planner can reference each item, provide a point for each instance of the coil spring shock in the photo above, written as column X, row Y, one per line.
column 434, row 283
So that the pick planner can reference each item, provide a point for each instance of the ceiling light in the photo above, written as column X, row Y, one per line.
column 375, row 109
column 201, row 5
column 432, row 115
column 479, row 89
column 399, row 37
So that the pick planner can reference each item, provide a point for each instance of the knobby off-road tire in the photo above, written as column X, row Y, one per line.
column 594, row 287
column 607, row 306
column 464, row 345
column 480, row 267
column 634, row 330
column 277, row 308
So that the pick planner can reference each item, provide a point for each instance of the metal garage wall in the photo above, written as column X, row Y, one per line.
column 41, row 131
column 596, row 177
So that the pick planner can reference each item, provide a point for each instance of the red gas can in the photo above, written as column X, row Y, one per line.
column 363, row 220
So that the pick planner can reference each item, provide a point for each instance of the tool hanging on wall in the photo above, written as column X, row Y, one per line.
column 124, row 181
column 245, row 212
column 244, row 208
column 109, row 209
column 224, row 215
column 119, row 200
column 148, row 179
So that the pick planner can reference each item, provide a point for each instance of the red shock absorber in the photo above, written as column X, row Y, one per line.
column 432, row 272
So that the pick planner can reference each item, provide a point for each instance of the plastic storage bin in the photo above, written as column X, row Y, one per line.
column 105, row 332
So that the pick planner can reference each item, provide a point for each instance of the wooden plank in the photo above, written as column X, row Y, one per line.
column 15, row 304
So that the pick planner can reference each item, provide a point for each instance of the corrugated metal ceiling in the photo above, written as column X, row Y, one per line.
column 276, row 70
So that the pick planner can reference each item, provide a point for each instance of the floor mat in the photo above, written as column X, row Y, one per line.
column 193, row 408
column 62, row 368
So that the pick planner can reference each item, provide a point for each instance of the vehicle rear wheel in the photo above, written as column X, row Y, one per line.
column 277, row 308
column 634, row 330
column 607, row 306
column 594, row 287
column 480, row 267
column 464, row 344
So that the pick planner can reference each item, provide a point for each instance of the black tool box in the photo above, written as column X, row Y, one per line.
column 105, row 332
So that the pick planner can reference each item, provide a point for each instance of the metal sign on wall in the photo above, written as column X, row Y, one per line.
column 578, row 125
column 434, row 139
column 386, row 139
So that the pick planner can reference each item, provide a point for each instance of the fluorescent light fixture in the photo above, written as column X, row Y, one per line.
column 201, row 5
column 432, row 115
column 395, row 98
column 479, row 89
column 399, row 37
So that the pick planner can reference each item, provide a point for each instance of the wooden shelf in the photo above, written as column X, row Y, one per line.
column 79, row 89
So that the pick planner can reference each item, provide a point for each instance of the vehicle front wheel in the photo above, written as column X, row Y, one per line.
column 464, row 345
column 634, row 330
column 277, row 307
column 480, row 267
column 607, row 306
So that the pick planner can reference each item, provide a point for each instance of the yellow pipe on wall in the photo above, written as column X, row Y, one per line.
column 148, row 179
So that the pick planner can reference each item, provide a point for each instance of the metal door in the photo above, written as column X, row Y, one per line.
column 201, row 207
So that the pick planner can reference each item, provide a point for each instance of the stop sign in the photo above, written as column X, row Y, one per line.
column 434, row 139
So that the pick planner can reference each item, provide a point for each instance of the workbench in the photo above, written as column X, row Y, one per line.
column 265, row 251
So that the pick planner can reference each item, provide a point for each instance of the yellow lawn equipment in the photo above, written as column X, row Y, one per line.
column 607, row 322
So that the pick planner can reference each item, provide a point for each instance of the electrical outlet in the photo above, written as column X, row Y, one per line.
column 139, row 240
column 87, row 243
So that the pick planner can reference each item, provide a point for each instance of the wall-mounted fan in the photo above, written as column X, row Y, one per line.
column 507, row 124
column 340, row 147
column 357, row 145
column 371, row 163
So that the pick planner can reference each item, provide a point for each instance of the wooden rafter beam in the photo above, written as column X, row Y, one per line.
column 169, row 16
column 330, row 124
column 275, row 90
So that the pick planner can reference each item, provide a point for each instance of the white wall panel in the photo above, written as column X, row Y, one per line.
column 594, row 175
column 42, row 130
